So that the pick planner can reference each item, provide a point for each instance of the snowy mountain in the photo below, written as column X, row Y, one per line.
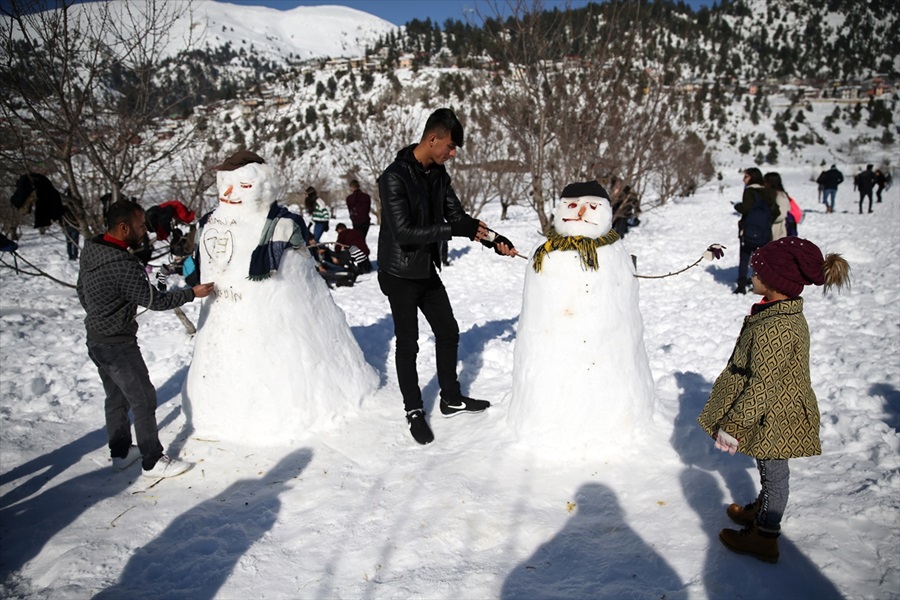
column 301, row 33
column 277, row 35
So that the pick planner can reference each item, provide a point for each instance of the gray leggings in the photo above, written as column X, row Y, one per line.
column 774, row 476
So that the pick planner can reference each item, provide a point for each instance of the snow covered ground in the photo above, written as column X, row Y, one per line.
column 362, row 511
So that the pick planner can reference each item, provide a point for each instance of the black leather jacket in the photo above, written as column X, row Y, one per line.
column 415, row 210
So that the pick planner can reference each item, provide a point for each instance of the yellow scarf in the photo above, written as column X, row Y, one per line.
column 585, row 246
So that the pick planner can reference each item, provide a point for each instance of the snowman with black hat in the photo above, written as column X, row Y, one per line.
column 581, row 376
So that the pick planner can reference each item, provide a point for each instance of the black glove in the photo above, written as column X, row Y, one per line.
column 493, row 238
column 464, row 227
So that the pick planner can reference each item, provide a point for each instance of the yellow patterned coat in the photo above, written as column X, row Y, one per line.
column 764, row 397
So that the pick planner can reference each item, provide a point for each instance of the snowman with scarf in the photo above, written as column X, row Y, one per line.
column 274, row 355
column 581, row 377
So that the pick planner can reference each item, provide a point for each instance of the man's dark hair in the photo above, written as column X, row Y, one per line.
column 443, row 121
column 122, row 211
column 340, row 227
column 354, row 184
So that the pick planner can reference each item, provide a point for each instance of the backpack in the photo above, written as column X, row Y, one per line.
column 757, row 223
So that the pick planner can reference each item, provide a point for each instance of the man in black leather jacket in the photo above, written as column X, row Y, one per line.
column 419, row 211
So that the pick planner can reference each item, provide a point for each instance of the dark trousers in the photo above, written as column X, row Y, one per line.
column 862, row 196
column 407, row 297
column 127, row 385
column 744, row 263
column 774, row 478
column 363, row 228
column 72, row 242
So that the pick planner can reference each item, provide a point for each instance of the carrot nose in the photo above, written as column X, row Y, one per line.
column 581, row 210
column 228, row 191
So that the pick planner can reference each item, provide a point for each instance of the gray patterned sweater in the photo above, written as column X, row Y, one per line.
column 111, row 285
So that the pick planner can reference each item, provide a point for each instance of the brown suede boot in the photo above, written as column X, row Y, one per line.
column 743, row 515
column 750, row 541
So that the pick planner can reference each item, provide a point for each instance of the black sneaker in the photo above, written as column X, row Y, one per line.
column 462, row 405
column 418, row 426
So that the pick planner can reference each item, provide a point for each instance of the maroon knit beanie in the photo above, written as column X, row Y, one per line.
column 788, row 264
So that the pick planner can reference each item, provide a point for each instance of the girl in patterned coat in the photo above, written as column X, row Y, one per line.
column 763, row 404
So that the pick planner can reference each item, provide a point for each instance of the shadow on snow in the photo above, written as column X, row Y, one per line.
column 195, row 555
column 726, row 574
column 596, row 555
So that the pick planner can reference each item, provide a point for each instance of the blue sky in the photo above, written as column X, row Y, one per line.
column 401, row 11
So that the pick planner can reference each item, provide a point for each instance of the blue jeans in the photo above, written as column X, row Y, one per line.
column 745, row 253
column 127, row 385
column 319, row 228
column 828, row 197
column 72, row 242
column 774, row 476
column 407, row 297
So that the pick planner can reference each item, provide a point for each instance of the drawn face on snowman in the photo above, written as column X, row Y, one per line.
column 248, row 185
column 587, row 216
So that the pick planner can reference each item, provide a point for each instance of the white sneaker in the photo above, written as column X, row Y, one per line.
column 120, row 464
column 167, row 467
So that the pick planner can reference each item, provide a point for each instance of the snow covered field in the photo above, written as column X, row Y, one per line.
column 362, row 511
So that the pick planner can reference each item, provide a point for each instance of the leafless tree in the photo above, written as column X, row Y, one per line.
column 83, row 96
column 582, row 94
column 484, row 172
column 376, row 137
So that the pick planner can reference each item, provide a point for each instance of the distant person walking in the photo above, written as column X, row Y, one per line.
column 359, row 204
column 758, row 209
column 780, row 224
column 829, row 181
column 112, row 283
column 865, row 183
column 883, row 181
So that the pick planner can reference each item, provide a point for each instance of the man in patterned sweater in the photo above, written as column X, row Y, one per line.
column 111, row 284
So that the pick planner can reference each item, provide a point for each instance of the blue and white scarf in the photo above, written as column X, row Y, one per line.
column 266, row 257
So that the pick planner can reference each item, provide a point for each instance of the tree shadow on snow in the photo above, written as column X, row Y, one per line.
column 596, row 555
column 696, row 449
column 730, row 575
column 457, row 253
column 172, row 387
column 375, row 342
column 47, row 467
column 195, row 555
column 891, row 403
column 471, row 353
column 27, row 526
column 725, row 276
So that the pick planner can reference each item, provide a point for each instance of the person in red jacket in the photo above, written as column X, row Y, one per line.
column 351, row 248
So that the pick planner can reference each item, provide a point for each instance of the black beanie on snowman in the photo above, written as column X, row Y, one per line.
column 585, row 188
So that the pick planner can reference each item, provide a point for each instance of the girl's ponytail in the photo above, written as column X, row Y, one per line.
column 836, row 271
